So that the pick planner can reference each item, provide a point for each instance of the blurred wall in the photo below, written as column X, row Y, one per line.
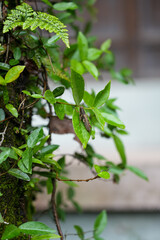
column 134, row 27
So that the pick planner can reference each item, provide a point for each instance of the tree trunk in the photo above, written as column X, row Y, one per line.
column 13, row 191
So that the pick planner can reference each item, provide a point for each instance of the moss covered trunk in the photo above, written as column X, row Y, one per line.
column 12, row 190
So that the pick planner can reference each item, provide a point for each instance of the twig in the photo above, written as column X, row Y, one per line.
column 6, row 119
column 77, row 180
column 75, row 234
column 7, row 52
column 54, row 209
column 3, row 133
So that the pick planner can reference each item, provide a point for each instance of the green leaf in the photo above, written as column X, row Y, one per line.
column 2, row 81
column 2, row 114
column 52, row 40
column 35, row 137
column 138, row 172
column 99, row 117
column 13, row 73
column 88, row 99
column 1, row 218
column 12, row 153
column 97, row 168
column 91, row 68
column 4, row 66
column 65, row 6
column 45, row 237
column 12, row 110
column 122, row 132
column 79, row 231
column 59, row 110
column 19, row 174
column 18, row 151
column 17, row 53
column 106, row 45
column 13, row 62
column 49, row 186
column 70, row 193
column 120, row 148
column 26, row 92
column 34, row 228
column 36, row 95
column 51, row 161
column 93, row 54
column 4, row 155
column 26, row 160
column 11, row 231
column 113, row 120
column 49, row 96
column 37, row 161
column 77, row 206
column 82, row 46
column 77, row 85
column 49, row 149
column 115, row 170
column 80, row 129
column 47, row 2
column 102, row 96
column 77, row 66
column 58, row 91
column 104, row 175
column 100, row 223
column 41, row 144
column 5, row 95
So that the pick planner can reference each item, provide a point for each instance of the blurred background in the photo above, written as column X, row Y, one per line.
column 134, row 27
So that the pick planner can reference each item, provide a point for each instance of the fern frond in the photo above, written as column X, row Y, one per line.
column 18, row 16
column 49, row 23
column 25, row 17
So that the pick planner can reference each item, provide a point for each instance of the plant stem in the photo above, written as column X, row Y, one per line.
column 54, row 209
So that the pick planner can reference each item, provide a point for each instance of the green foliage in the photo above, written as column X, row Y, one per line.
column 138, row 172
column 100, row 224
column 2, row 114
column 24, row 16
column 37, row 229
column 120, row 148
column 102, row 96
column 10, row 232
column 11, row 75
column 91, row 114
column 65, row 6
column 12, row 110
column 79, row 128
column 77, row 85
column 19, row 174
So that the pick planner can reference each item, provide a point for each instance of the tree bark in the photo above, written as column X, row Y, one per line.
column 14, row 192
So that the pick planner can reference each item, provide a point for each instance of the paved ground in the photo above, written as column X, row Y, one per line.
column 121, row 226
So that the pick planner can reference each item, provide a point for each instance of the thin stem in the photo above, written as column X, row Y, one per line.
column 77, row 180
column 54, row 209
column 3, row 133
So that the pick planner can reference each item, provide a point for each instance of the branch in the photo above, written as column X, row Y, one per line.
column 77, row 180
column 54, row 209
column 3, row 133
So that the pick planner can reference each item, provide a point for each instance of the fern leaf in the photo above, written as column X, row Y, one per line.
column 18, row 16
column 25, row 17
column 49, row 23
